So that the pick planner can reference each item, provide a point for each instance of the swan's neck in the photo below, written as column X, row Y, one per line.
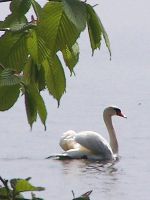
column 111, row 131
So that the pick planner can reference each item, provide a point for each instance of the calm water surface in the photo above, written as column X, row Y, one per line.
column 124, row 81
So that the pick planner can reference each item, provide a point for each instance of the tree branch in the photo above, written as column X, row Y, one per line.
column 5, row 183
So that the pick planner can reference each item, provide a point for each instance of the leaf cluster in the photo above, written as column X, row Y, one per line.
column 29, row 61
column 14, row 189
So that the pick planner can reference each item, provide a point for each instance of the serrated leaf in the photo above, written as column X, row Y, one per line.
column 38, row 102
column 37, row 47
column 71, row 56
column 55, row 27
column 17, row 24
column 37, row 8
column 106, row 38
column 55, row 78
column 76, row 13
column 8, row 78
column 29, row 74
column 18, row 55
column 20, row 7
column 96, row 30
column 13, row 50
column 41, row 79
column 41, row 107
column 24, row 186
column 14, row 22
column 8, row 96
column 34, row 74
column 32, row 45
column 31, row 108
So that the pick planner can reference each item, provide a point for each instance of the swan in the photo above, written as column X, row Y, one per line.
column 91, row 145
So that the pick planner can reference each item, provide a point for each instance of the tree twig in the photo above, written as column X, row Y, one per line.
column 95, row 5
column 5, row 183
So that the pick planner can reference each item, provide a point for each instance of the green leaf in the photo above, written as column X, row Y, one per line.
column 55, row 78
column 13, row 51
column 32, row 45
column 34, row 74
column 37, row 47
column 1, row 24
column 3, row 191
column 55, row 27
column 23, row 185
column 20, row 7
column 8, row 96
column 29, row 72
column 96, row 30
column 39, row 105
column 31, row 108
column 37, row 8
column 8, row 78
column 1, row 68
column 15, row 23
column 107, row 42
column 71, row 56
column 76, row 13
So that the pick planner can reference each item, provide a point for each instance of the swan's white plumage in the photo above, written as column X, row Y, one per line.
column 67, row 141
column 94, row 142
column 89, row 144
column 85, row 143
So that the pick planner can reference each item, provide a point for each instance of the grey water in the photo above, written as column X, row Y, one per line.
column 124, row 81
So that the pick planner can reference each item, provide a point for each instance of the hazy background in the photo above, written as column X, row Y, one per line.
column 99, row 82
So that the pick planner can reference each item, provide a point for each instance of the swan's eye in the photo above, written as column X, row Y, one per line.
column 118, row 111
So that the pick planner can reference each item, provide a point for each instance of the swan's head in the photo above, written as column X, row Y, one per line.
column 114, row 110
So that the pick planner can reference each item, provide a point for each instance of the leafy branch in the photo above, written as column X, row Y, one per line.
column 16, row 188
column 29, row 50
column 19, row 186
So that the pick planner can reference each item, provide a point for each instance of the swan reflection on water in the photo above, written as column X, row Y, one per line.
column 82, row 167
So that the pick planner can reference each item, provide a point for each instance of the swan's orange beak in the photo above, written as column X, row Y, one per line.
column 121, row 115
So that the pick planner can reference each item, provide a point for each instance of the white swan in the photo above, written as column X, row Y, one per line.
column 89, row 144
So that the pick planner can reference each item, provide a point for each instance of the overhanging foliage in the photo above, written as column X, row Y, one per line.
column 29, row 61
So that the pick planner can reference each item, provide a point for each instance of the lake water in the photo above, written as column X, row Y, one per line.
column 124, row 81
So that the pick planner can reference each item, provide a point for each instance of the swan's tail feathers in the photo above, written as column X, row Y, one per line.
column 59, row 157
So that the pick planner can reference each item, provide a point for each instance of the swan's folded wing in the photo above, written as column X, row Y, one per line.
column 67, row 141
column 94, row 142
